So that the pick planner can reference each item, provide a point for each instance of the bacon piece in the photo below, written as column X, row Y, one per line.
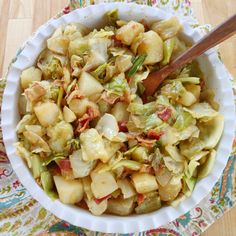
column 66, row 170
column 93, row 113
column 152, row 134
column 165, row 114
column 83, row 123
column 202, row 84
column 126, row 97
column 99, row 200
column 64, row 164
column 123, row 126
column 140, row 198
column 73, row 95
column 145, row 142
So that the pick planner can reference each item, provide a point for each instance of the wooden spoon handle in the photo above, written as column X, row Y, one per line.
column 216, row 36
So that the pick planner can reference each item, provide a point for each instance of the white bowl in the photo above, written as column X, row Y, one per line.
column 217, row 78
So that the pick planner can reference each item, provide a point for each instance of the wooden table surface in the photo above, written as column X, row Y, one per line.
column 18, row 18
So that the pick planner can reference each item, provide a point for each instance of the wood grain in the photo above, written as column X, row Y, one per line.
column 18, row 18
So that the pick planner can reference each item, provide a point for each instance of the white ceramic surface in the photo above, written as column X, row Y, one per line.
column 217, row 78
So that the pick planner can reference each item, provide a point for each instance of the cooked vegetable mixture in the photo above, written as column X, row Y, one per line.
column 92, row 138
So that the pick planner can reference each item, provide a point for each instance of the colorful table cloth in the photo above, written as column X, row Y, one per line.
column 21, row 215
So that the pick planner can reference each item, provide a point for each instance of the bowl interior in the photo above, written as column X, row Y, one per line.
column 217, row 78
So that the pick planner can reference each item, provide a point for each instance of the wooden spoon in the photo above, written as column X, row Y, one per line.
column 216, row 36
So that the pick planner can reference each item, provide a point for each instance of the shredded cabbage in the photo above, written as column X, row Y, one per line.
column 118, row 85
column 92, row 137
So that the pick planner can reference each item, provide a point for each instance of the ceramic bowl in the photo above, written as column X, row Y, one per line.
column 217, row 78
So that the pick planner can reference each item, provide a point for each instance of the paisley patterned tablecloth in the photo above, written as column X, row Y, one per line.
column 21, row 215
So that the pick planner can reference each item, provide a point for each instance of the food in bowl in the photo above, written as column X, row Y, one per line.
column 93, row 139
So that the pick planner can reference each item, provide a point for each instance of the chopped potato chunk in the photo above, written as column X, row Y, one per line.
column 144, row 182
column 151, row 45
column 30, row 75
column 103, row 184
column 70, row 191
column 47, row 113
column 128, row 32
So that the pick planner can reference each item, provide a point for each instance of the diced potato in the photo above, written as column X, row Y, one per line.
column 126, row 187
column 122, row 207
column 92, row 146
column 69, row 191
column 187, row 99
column 152, row 46
column 120, row 111
column 128, row 32
column 30, row 75
column 80, row 106
column 144, row 182
column 194, row 89
column 88, row 85
column 170, row 191
column 68, row 114
column 103, row 184
column 96, row 209
column 47, row 113
column 123, row 63
column 80, row 167
column 87, row 187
